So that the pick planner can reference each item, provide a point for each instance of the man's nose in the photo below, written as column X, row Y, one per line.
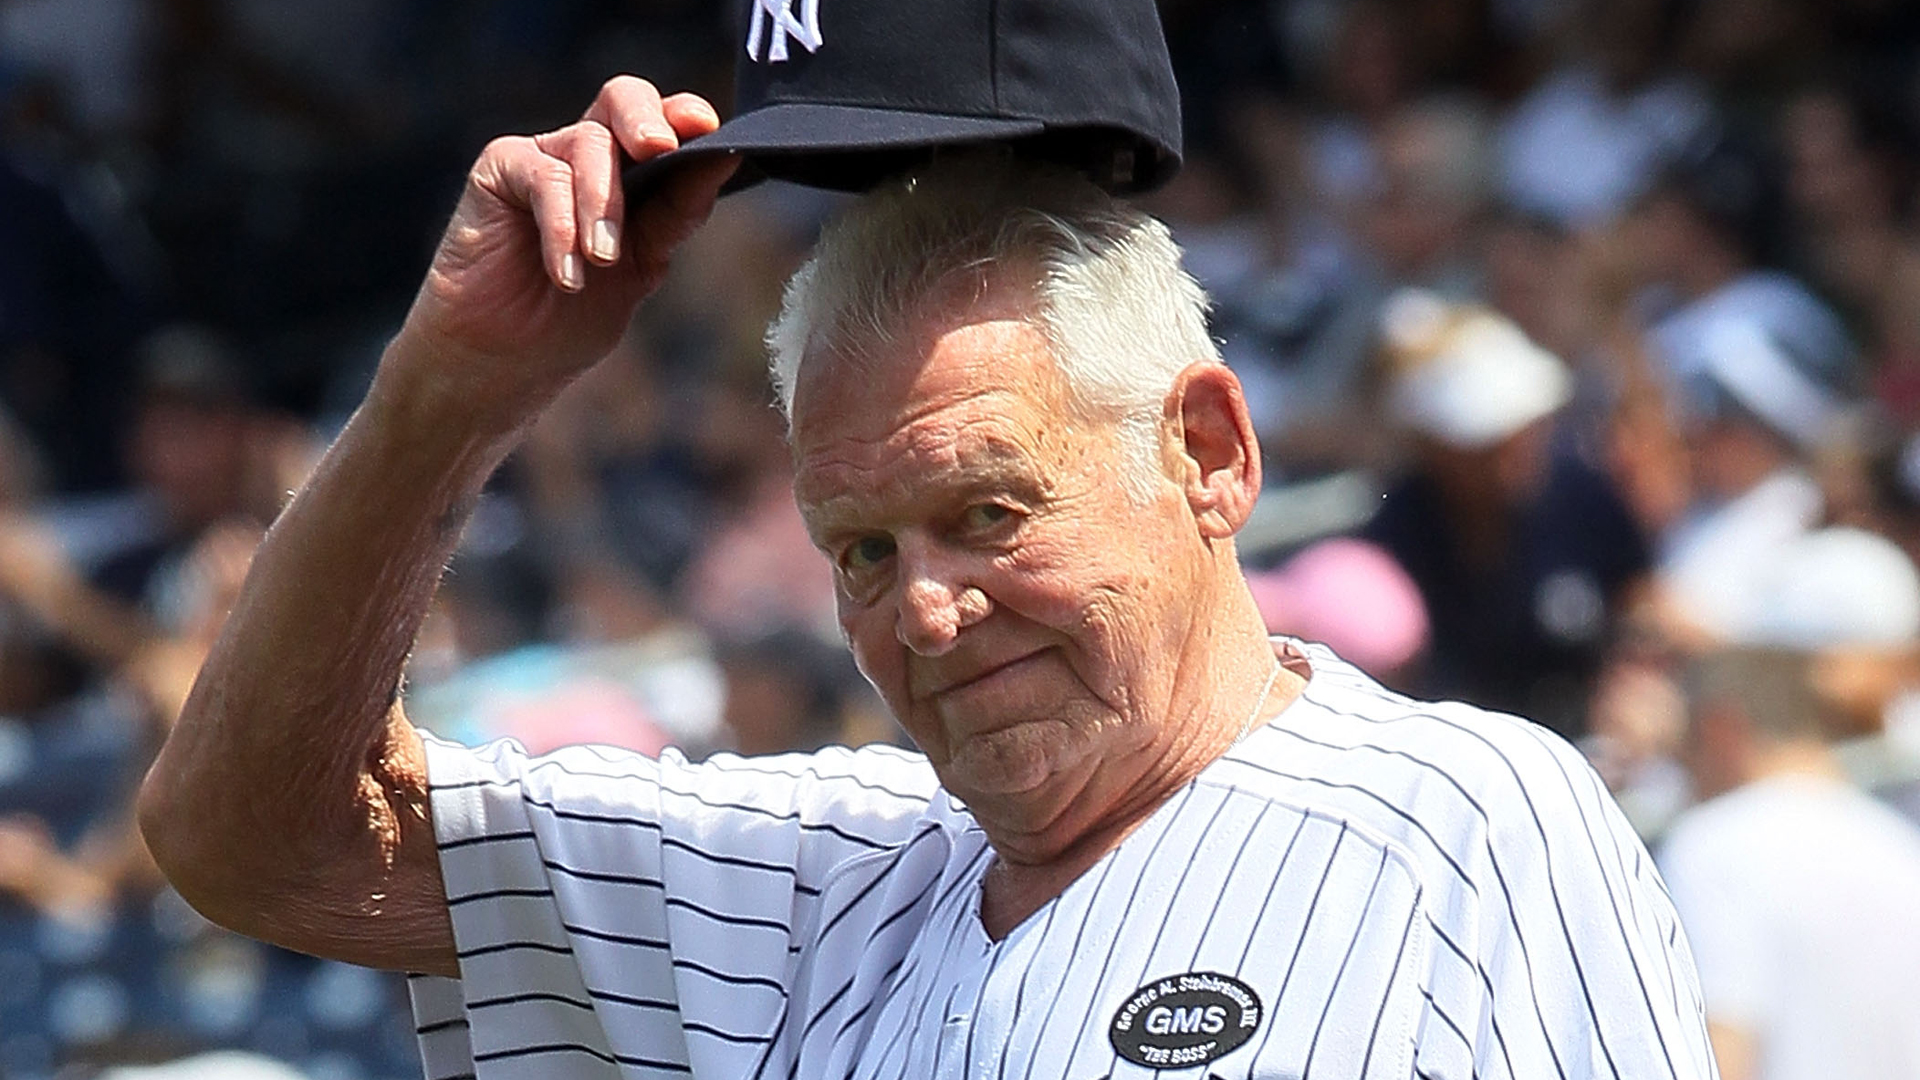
column 934, row 608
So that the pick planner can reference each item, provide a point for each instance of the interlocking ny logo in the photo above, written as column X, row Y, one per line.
column 774, row 20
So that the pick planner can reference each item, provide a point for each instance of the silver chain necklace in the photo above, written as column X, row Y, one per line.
column 1246, row 726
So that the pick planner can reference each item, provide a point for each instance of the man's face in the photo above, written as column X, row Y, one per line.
column 1018, row 611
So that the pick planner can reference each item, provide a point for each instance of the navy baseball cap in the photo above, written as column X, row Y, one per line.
column 840, row 94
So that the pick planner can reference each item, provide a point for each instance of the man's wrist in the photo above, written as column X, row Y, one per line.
column 425, row 397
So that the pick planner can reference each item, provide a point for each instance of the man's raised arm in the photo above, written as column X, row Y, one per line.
column 290, row 801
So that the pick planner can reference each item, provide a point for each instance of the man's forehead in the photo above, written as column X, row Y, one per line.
column 985, row 432
column 892, row 339
column 885, row 386
column 920, row 472
column 967, row 441
column 979, row 414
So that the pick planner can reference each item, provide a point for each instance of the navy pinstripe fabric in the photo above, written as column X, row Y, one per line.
column 1407, row 889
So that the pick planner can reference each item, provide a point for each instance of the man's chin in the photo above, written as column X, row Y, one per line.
column 1022, row 760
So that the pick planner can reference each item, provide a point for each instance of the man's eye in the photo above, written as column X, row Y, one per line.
column 985, row 515
column 868, row 552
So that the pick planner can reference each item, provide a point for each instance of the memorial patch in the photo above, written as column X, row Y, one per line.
column 1185, row 1020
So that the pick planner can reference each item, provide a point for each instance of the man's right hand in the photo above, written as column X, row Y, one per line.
column 290, row 800
column 543, row 263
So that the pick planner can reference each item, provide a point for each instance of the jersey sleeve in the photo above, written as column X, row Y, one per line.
column 1579, row 951
column 620, row 916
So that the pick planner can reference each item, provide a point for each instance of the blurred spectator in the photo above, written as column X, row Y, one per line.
column 609, row 667
column 1893, row 478
column 1359, row 56
column 1298, row 334
column 1708, row 239
column 1755, row 417
column 788, row 691
column 1421, row 219
column 91, row 52
column 1589, row 138
column 1797, row 892
column 1850, row 600
column 1277, row 221
column 612, row 467
column 1532, row 266
column 1855, row 158
column 1294, row 298
column 1636, row 725
column 196, row 456
column 762, row 570
column 758, row 568
column 1350, row 596
column 1523, row 553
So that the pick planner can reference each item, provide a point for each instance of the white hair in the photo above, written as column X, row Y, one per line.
column 1120, row 315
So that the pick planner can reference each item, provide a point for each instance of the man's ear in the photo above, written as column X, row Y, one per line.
column 1217, row 454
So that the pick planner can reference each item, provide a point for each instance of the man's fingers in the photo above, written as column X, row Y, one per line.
column 599, row 200
column 630, row 108
column 690, row 114
column 643, row 125
column 570, row 180
column 523, row 175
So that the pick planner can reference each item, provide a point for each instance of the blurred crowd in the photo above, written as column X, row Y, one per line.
column 1583, row 337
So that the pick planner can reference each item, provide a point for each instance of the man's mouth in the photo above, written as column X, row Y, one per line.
column 982, row 676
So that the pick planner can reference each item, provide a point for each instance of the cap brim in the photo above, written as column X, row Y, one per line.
column 840, row 147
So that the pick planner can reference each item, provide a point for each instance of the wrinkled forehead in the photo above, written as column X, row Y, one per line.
column 974, row 402
column 975, row 386
column 972, row 337
column 938, row 458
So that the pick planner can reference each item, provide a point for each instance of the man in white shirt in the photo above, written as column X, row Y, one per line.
column 1141, row 838
column 1798, row 891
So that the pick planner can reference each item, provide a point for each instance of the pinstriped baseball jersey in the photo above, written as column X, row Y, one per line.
column 1367, row 887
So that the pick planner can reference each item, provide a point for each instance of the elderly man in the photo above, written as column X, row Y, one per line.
column 1142, row 838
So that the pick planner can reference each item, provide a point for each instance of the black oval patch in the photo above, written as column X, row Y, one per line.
column 1185, row 1020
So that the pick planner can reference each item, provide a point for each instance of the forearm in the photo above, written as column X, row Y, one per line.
column 289, row 796
column 290, row 800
